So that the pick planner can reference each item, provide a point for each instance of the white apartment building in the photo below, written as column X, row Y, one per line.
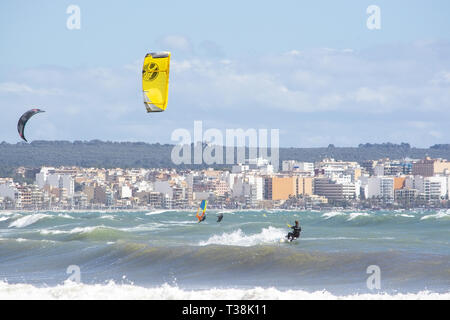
column 163, row 187
column 9, row 190
column 125, row 192
column 435, row 187
column 248, row 185
column 380, row 186
column 239, row 168
column 292, row 165
column 46, row 178
column 144, row 186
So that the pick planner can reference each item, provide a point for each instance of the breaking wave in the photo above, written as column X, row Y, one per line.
column 376, row 218
column 239, row 238
column 28, row 220
column 355, row 215
column 94, row 233
column 439, row 215
column 112, row 291
column 332, row 214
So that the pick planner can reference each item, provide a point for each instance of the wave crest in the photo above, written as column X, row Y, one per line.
column 439, row 215
column 28, row 220
column 239, row 238
column 112, row 291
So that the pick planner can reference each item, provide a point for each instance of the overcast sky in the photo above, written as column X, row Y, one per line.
column 311, row 69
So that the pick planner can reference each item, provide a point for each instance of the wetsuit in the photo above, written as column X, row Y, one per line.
column 295, row 233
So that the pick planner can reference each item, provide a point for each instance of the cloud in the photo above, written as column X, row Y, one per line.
column 319, row 80
column 441, row 78
column 21, row 88
column 315, row 97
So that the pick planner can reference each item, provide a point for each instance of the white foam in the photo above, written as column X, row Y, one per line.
column 63, row 215
column 226, row 212
column 109, row 217
column 4, row 218
column 87, row 229
column 180, row 223
column 72, row 231
column 155, row 212
column 439, row 215
column 28, row 220
column 146, row 227
column 404, row 215
column 239, row 238
column 7, row 213
column 47, row 231
column 332, row 214
column 112, row 291
column 355, row 215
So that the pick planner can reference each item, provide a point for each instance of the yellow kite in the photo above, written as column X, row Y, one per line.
column 155, row 81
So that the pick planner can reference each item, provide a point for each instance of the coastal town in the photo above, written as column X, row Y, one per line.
column 374, row 184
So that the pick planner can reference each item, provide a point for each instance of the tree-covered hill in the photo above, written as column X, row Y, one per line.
column 97, row 153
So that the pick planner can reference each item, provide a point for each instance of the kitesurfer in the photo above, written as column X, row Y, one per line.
column 201, row 217
column 295, row 232
column 220, row 217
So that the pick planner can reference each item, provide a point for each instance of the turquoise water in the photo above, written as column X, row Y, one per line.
column 151, row 250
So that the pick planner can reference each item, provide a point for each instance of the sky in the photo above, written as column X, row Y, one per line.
column 311, row 69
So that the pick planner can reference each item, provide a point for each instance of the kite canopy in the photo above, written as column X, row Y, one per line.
column 155, row 81
column 23, row 121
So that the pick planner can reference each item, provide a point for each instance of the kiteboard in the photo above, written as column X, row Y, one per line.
column 285, row 240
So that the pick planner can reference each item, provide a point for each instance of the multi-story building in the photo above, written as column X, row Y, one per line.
column 155, row 199
column 80, row 200
column 299, row 167
column 280, row 188
column 8, row 190
column 429, row 167
column 336, row 188
column 47, row 176
column 305, row 186
column 430, row 188
column 328, row 188
column 381, row 187
column 406, row 197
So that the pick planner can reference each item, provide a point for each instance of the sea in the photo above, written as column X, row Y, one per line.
column 167, row 254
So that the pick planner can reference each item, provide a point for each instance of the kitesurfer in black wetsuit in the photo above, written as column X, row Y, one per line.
column 295, row 232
